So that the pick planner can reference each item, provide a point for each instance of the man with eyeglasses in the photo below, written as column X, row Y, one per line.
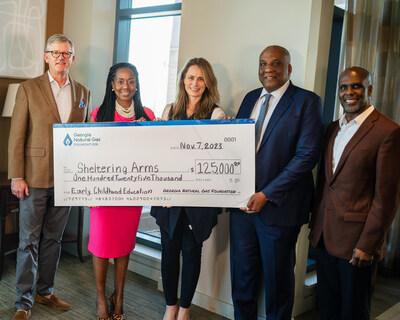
column 50, row 98
column 358, row 193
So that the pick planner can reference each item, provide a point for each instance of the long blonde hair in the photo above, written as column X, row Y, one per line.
column 209, row 99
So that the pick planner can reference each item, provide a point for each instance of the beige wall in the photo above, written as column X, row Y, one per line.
column 90, row 24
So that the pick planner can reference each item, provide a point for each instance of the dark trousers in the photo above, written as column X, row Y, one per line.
column 260, row 251
column 343, row 291
column 41, row 226
column 182, row 241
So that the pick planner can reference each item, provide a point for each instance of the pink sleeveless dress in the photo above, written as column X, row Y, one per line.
column 112, row 230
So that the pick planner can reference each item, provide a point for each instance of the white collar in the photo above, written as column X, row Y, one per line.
column 278, row 92
column 51, row 79
column 357, row 120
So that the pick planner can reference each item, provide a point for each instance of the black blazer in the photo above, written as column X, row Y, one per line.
column 201, row 219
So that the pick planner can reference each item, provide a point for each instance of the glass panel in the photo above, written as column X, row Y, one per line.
column 150, row 3
column 125, row 4
column 148, row 226
column 122, row 46
column 153, row 49
column 154, row 44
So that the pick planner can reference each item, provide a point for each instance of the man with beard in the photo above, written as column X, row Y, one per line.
column 358, row 191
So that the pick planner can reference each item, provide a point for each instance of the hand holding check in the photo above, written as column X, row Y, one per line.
column 256, row 203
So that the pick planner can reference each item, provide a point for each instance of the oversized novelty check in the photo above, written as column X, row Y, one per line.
column 205, row 163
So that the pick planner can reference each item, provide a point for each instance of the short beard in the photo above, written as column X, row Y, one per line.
column 354, row 109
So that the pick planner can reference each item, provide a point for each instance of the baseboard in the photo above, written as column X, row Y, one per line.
column 214, row 305
column 392, row 313
column 146, row 262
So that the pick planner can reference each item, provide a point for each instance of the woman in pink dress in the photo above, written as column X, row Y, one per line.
column 112, row 232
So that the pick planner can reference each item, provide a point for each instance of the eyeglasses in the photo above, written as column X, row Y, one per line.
column 56, row 54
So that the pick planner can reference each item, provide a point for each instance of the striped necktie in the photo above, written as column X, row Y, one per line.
column 261, row 117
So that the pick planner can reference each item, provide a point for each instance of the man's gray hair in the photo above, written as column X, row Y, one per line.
column 58, row 37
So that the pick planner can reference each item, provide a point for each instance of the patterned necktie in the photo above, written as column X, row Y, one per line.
column 261, row 117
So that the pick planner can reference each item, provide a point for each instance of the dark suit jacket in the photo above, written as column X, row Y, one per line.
column 201, row 219
column 288, row 152
column 30, row 146
column 356, row 205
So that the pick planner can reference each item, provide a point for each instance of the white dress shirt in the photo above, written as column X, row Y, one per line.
column 346, row 132
column 63, row 97
column 273, row 102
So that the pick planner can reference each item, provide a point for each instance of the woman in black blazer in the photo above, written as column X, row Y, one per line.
column 183, row 229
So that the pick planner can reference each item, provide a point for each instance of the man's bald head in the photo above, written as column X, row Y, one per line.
column 361, row 72
column 283, row 51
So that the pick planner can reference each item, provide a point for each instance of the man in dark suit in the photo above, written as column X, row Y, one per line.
column 358, row 191
column 50, row 98
column 264, row 235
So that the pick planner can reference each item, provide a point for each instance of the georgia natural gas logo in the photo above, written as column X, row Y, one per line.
column 81, row 139
column 67, row 140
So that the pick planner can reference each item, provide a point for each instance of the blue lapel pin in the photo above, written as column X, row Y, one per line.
column 82, row 104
